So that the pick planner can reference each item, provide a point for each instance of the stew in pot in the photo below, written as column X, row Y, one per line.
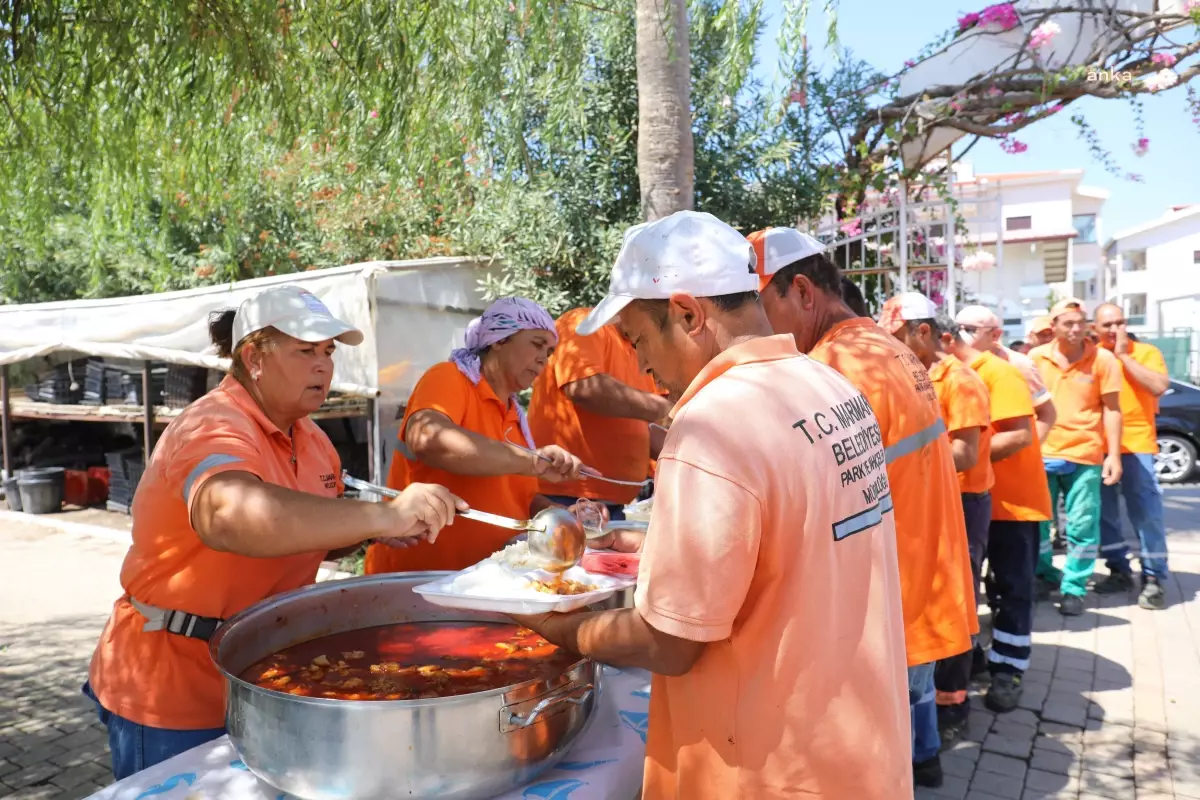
column 411, row 660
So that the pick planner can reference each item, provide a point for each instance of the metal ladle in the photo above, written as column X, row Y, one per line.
column 556, row 538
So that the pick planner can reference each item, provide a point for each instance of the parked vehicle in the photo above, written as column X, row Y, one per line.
column 1178, row 423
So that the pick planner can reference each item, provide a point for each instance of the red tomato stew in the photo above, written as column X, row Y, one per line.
column 411, row 660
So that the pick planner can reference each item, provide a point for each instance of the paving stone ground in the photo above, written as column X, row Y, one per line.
column 1111, row 709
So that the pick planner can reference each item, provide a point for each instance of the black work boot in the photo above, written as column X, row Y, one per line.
column 928, row 773
column 1005, row 692
column 1071, row 605
column 1153, row 596
column 1115, row 583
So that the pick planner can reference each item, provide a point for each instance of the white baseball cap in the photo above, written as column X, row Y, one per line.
column 778, row 247
column 906, row 307
column 689, row 252
column 294, row 311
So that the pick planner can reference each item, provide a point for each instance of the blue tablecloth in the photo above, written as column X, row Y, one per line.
column 604, row 764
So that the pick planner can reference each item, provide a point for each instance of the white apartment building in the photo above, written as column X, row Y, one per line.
column 1049, row 228
column 1153, row 272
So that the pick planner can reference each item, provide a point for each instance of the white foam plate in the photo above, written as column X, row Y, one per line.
column 491, row 586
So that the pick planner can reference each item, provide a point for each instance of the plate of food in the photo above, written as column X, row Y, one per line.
column 509, row 582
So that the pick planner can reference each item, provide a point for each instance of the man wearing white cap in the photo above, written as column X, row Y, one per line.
column 982, row 329
column 801, row 292
column 914, row 319
column 239, row 502
column 768, row 601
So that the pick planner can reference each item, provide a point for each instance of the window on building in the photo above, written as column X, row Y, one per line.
column 1134, row 262
column 1085, row 226
column 1018, row 223
column 937, row 231
column 1135, row 309
column 1196, row 256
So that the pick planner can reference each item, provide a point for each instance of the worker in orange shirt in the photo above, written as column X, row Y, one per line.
column 913, row 319
column 802, row 295
column 1144, row 380
column 593, row 400
column 1020, row 501
column 1040, row 332
column 982, row 329
column 465, row 429
column 768, row 599
column 1083, row 449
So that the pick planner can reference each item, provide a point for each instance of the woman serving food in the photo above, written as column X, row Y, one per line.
column 239, row 502
column 464, row 429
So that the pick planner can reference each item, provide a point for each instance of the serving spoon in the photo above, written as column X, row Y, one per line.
column 556, row 538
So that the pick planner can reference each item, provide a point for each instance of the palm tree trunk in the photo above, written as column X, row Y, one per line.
column 665, row 149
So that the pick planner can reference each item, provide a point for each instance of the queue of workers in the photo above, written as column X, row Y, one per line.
column 827, row 491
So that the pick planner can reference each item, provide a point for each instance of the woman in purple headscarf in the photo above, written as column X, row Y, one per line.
column 464, row 429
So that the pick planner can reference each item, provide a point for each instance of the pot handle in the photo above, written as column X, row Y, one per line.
column 576, row 697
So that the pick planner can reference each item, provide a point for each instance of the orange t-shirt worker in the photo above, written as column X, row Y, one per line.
column 239, row 502
column 767, row 604
column 465, row 429
column 594, row 401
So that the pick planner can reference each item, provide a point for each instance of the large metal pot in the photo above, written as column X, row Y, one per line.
column 469, row 746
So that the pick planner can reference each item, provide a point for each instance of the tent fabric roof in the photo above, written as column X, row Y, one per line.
column 173, row 326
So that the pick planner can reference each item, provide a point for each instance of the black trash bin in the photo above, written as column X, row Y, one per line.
column 41, row 490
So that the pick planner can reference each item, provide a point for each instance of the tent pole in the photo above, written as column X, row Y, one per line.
column 372, row 445
column 5, row 423
column 147, row 415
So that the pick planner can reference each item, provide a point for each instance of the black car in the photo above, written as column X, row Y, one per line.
column 1178, row 423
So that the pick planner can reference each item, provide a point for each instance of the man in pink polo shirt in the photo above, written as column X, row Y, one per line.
column 768, row 599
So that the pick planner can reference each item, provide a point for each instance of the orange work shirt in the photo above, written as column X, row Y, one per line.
column 1020, row 492
column 161, row 679
column 619, row 447
column 1139, row 432
column 476, row 408
column 1028, row 370
column 772, row 540
column 964, row 402
column 935, row 567
column 1078, row 432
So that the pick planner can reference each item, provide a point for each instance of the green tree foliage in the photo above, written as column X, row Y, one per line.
column 161, row 145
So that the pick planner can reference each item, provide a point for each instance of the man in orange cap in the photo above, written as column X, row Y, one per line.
column 1083, row 449
column 802, row 295
column 1040, row 332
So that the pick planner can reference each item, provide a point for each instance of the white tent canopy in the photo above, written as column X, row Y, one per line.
column 441, row 295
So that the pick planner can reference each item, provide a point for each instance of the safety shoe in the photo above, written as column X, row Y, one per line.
column 952, row 723
column 1071, row 605
column 1004, row 693
column 928, row 773
column 1153, row 596
column 1114, row 583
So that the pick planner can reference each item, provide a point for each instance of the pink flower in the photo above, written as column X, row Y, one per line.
column 1013, row 146
column 1140, row 148
column 909, row 64
column 967, row 21
column 1163, row 79
column 1133, row 176
column 799, row 96
column 1043, row 34
column 334, row 43
column 994, row 91
column 1192, row 5
column 955, row 106
column 373, row 114
column 851, row 227
column 1002, row 15
column 1165, row 59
